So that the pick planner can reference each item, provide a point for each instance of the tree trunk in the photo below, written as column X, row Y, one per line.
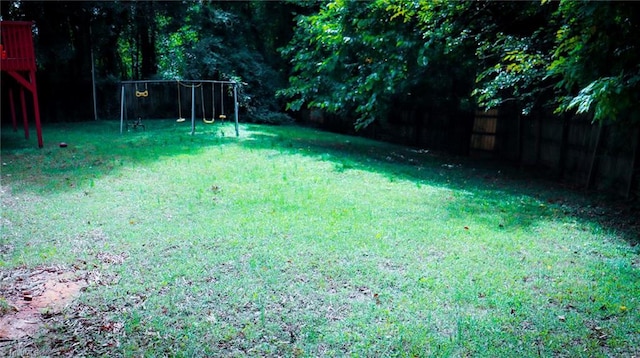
column 147, row 51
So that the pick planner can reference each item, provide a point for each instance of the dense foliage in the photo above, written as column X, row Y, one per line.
column 356, row 58
column 359, row 60
column 155, row 40
column 366, row 58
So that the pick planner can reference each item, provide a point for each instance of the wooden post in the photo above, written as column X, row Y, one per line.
column 13, row 110
column 25, row 122
column 566, row 122
column 594, row 157
column 520, row 145
column 36, row 107
column 634, row 160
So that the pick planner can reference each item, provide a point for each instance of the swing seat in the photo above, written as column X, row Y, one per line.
column 208, row 121
column 222, row 116
column 180, row 120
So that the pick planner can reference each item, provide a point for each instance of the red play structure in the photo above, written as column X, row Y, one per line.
column 17, row 58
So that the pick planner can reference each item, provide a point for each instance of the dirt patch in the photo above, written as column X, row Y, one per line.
column 28, row 297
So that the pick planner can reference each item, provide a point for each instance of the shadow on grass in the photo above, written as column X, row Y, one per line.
column 489, row 183
column 97, row 149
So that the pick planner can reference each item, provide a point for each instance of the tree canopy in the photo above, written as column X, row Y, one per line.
column 358, row 60
column 156, row 40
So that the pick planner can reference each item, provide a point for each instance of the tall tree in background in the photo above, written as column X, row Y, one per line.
column 365, row 59
column 573, row 56
column 156, row 40
column 357, row 59
column 595, row 61
column 137, row 35
column 360, row 60
column 230, row 40
column 63, row 47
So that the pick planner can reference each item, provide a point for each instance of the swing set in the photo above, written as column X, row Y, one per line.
column 140, row 93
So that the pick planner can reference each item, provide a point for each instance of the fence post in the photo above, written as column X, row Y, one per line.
column 634, row 159
column 594, row 156
column 566, row 121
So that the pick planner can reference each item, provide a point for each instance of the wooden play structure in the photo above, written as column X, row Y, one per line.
column 18, row 60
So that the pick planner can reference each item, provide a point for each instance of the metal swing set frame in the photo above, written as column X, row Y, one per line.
column 193, row 84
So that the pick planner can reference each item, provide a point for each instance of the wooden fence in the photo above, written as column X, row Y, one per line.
column 590, row 155
column 571, row 148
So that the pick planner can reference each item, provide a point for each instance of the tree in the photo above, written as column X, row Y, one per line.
column 359, row 59
column 362, row 60
column 513, row 47
column 595, row 60
column 156, row 39
column 222, row 41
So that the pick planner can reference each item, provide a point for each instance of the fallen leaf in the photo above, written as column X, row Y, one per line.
column 562, row 318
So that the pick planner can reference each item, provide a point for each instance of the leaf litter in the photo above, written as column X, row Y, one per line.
column 41, row 302
column 33, row 295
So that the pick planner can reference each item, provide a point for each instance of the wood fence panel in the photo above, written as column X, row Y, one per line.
column 576, row 149
column 550, row 142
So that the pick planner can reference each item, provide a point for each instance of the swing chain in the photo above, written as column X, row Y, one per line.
column 144, row 93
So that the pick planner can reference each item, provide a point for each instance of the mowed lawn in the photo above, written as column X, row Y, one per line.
column 289, row 241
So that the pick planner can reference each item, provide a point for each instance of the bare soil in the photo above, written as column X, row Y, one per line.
column 28, row 297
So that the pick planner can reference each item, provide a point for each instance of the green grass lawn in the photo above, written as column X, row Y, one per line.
column 288, row 241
